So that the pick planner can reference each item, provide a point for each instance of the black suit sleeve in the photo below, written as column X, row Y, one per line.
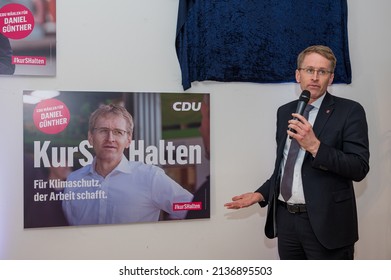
column 348, row 154
column 6, row 66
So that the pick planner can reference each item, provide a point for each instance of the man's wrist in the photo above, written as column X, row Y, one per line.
column 314, row 149
column 260, row 197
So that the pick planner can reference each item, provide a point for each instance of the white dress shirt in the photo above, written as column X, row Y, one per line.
column 297, row 185
column 132, row 192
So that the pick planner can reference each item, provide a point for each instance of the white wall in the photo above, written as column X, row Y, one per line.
column 128, row 45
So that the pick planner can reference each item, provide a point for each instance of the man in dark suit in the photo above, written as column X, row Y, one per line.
column 6, row 66
column 319, row 219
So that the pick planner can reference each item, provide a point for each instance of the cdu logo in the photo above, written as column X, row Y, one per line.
column 186, row 106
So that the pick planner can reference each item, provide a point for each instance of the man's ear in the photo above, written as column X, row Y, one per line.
column 90, row 138
column 331, row 79
column 129, row 140
column 297, row 75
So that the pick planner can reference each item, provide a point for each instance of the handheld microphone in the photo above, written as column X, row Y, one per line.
column 303, row 100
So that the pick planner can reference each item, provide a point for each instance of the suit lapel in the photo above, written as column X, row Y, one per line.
column 285, row 116
column 325, row 111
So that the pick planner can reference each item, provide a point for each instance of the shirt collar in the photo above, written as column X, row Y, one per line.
column 318, row 101
column 123, row 166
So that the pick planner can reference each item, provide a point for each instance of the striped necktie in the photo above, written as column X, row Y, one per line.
column 287, row 178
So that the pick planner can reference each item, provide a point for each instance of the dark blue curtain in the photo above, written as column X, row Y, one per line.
column 257, row 40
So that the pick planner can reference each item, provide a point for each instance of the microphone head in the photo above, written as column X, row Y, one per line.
column 305, row 96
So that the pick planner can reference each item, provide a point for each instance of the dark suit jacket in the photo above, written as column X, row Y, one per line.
column 6, row 66
column 343, row 157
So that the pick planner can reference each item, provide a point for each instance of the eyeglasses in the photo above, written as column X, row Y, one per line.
column 320, row 72
column 104, row 131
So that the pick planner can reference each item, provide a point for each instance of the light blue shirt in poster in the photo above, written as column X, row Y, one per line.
column 132, row 192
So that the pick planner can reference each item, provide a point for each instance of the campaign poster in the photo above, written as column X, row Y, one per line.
column 115, row 157
column 28, row 37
